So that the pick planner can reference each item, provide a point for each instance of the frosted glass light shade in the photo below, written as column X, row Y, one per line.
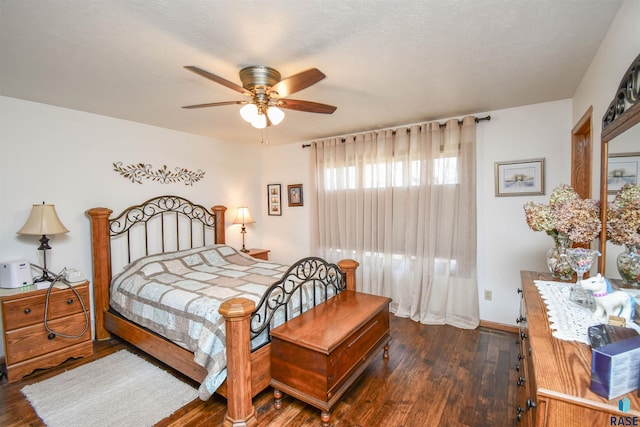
column 260, row 121
column 249, row 112
column 275, row 115
column 243, row 216
column 42, row 220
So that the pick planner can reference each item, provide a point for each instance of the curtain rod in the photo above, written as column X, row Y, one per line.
column 477, row 119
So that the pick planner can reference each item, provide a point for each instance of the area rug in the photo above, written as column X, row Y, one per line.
column 117, row 390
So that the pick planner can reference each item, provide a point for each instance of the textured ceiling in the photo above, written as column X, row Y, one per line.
column 387, row 63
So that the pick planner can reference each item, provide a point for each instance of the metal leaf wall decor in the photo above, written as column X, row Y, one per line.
column 135, row 173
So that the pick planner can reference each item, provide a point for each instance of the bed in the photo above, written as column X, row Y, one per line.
column 172, row 231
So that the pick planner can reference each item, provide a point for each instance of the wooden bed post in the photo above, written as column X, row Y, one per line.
column 218, row 211
column 100, row 239
column 240, row 409
column 348, row 267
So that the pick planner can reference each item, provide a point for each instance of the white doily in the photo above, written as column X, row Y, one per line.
column 568, row 320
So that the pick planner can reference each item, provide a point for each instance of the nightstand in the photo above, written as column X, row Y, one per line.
column 28, row 345
column 259, row 253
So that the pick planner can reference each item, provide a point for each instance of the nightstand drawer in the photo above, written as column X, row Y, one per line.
column 35, row 340
column 30, row 310
column 262, row 254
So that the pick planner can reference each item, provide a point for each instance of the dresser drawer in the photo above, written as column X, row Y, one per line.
column 33, row 341
column 30, row 310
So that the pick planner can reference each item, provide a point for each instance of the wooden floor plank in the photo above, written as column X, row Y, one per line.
column 437, row 375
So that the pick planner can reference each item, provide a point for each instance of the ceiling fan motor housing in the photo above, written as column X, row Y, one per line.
column 258, row 76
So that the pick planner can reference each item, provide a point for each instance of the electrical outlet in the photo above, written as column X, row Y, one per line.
column 487, row 295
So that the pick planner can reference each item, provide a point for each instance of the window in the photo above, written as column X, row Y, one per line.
column 374, row 175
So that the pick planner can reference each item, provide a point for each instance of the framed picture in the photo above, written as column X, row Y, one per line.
column 295, row 194
column 273, row 199
column 622, row 169
column 519, row 178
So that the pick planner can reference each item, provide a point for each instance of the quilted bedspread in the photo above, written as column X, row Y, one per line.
column 178, row 294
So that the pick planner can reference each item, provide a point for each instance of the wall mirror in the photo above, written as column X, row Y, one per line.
column 620, row 151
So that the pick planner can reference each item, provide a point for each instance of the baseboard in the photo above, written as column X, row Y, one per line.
column 393, row 307
column 499, row 326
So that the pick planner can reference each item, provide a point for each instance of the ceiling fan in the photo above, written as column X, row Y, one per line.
column 267, row 93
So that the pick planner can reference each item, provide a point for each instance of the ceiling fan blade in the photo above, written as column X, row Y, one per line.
column 297, row 82
column 308, row 106
column 219, row 80
column 215, row 104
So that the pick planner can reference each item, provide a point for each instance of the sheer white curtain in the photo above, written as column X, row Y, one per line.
column 403, row 204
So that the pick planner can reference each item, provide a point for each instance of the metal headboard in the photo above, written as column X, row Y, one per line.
column 162, row 224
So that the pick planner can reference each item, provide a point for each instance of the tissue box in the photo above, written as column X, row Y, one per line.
column 615, row 368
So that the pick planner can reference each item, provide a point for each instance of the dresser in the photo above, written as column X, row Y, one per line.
column 28, row 345
column 554, row 375
column 318, row 355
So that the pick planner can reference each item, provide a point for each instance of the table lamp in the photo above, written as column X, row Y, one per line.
column 243, row 217
column 43, row 220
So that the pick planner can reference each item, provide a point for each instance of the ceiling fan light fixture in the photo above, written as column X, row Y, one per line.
column 249, row 112
column 268, row 93
column 259, row 122
column 276, row 115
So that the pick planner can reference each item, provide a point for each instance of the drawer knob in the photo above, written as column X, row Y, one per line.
column 521, row 381
column 27, row 310
column 520, row 356
column 530, row 403
column 517, row 367
column 51, row 336
column 69, row 301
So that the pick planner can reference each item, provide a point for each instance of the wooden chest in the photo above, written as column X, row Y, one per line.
column 316, row 356
column 28, row 345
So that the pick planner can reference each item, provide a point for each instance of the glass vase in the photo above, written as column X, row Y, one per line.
column 557, row 259
column 629, row 265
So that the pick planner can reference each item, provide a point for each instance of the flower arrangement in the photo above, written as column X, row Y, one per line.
column 566, row 214
column 623, row 216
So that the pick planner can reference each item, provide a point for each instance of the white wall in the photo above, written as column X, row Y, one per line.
column 65, row 157
column 506, row 244
column 289, row 235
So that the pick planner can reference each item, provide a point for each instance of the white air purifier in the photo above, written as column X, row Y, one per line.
column 15, row 274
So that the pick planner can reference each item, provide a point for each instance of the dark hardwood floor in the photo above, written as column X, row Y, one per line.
column 435, row 376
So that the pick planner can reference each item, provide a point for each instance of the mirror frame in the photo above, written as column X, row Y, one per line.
column 623, row 113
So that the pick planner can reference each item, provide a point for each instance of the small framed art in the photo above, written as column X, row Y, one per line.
column 519, row 178
column 273, row 199
column 622, row 169
column 295, row 194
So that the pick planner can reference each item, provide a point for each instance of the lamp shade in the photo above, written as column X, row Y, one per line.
column 243, row 216
column 42, row 220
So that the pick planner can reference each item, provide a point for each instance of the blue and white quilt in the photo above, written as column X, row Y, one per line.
column 177, row 295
